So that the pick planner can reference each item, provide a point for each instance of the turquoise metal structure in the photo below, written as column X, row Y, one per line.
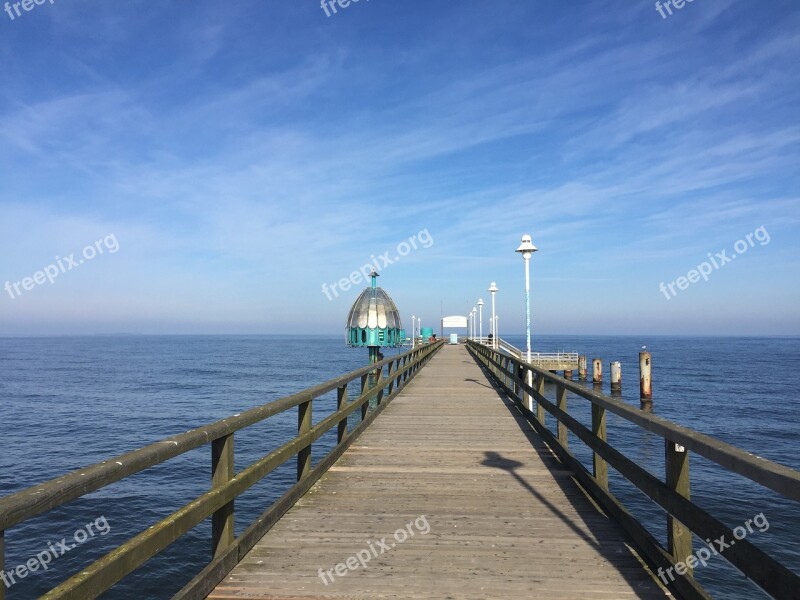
column 374, row 319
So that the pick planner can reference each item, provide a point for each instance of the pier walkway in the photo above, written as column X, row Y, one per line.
column 487, row 510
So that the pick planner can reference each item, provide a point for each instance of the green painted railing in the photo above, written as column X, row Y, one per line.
column 524, row 383
column 380, row 382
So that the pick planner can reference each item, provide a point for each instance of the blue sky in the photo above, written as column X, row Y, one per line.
column 245, row 153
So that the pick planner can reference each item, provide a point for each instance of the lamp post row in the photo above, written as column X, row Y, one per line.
column 526, row 249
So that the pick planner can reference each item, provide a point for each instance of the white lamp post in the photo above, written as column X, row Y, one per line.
column 474, row 323
column 526, row 248
column 493, row 290
column 480, row 320
column 413, row 329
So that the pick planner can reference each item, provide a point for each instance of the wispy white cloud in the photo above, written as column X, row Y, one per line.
column 227, row 169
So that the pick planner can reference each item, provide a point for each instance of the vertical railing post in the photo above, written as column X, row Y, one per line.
column 303, row 427
column 561, row 401
column 379, row 384
column 365, row 406
column 540, row 391
column 222, row 471
column 502, row 362
column 341, row 403
column 389, row 370
column 599, row 430
column 527, row 399
column 679, row 537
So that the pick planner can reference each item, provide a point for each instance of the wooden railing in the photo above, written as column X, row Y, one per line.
column 525, row 385
column 389, row 377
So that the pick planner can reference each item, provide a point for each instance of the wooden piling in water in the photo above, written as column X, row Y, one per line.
column 616, row 376
column 568, row 374
column 582, row 367
column 597, row 370
column 645, row 381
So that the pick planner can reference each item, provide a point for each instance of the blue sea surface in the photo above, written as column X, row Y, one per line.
column 72, row 401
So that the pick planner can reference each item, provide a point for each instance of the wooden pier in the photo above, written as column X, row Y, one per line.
column 505, row 519
column 451, row 477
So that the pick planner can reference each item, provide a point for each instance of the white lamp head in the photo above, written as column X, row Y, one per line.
column 526, row 248
column 480, row 301
column 492, row 287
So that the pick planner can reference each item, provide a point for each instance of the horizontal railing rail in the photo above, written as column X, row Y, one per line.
column 509, row 348
column 539, row 358
column 381, row 381
column 525, row 385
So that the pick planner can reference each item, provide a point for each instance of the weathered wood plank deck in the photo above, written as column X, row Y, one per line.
column 505, row 519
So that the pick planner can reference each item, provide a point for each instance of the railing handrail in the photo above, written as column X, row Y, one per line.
column 684, row 516
column 93, row 580
column 770, row 474
column 570, row 356
column 29, row 502
column 508, row 346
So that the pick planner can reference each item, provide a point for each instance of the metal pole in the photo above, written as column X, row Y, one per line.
column 480, row 322
column 373, row 380
column 413, row 330
column 494, row 325
column 528, row 303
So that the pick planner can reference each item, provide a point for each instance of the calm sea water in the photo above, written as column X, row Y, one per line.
column 72, row 401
